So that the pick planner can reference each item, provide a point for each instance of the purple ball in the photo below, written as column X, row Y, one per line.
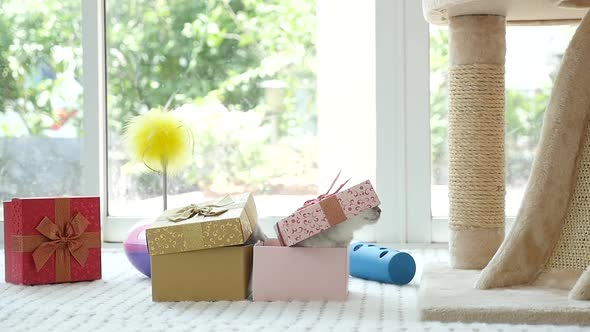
column 136, row 248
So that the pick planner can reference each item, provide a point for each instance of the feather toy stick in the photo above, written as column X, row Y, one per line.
column 161, row 141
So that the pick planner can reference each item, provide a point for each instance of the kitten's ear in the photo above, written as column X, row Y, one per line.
column 258, row 234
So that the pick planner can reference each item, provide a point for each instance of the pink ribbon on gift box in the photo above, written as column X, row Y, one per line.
column 327, row 194
column 329, row 205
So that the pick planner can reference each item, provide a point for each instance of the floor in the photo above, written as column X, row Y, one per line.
column 121, row 301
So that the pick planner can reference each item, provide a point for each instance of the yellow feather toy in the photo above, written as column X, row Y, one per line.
column 161, row 141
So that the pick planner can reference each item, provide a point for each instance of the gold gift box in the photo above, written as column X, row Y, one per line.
column 203, row 257
column 220, row 274
column 199, row 231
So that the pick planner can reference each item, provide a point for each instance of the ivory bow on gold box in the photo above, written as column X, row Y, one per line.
column 222, row 223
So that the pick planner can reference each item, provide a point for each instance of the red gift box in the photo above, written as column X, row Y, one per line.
column 52, row 240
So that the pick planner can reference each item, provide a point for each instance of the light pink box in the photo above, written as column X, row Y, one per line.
column 299, row 274
column 329, row 211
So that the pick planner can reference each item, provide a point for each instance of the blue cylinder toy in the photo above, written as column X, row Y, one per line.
column 369, row 261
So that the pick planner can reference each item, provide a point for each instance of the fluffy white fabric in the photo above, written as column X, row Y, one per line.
column 122, row 302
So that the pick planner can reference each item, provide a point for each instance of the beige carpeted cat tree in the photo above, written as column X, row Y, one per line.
column 539, row 273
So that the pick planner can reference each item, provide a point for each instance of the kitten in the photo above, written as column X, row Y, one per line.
column 338, row 236
column 257, row 235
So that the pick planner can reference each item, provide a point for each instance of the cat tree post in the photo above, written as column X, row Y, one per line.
column 476, row 138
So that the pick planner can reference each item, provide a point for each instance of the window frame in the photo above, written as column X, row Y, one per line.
column 94, row 159
column 402, row 102
column 403, row 121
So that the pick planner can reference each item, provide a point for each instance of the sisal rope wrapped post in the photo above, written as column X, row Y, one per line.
column 476, row 138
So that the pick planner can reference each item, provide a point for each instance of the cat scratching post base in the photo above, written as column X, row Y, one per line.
column 581, row 290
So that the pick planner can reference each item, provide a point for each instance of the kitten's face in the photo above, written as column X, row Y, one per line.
column 372, row 215
column 367, row 217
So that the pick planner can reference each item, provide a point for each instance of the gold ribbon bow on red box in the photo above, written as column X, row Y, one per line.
column 65, row 238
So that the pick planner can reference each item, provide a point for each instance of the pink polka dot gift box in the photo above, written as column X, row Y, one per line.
column 326, row 211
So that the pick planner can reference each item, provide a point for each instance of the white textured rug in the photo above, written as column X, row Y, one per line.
column 122, row 302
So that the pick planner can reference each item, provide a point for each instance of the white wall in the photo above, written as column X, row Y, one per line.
column 346, row 90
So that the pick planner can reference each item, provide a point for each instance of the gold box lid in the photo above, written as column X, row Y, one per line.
column 227, row 222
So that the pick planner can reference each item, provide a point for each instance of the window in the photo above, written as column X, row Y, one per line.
column 293, row 81
column 533, row 55
column 244, row 77
column 41, row 95
column 240, row 74
column 280, row 94
column 299, row 89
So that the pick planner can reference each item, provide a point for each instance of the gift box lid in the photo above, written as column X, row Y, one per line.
column 326, row 211
column 227, row 222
